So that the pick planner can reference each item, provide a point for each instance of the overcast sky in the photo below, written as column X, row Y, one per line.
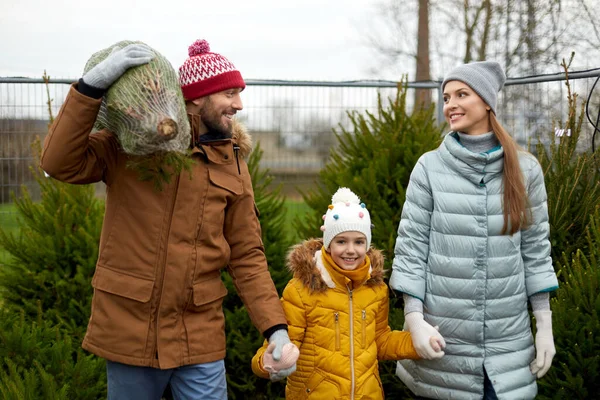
column 265, row 39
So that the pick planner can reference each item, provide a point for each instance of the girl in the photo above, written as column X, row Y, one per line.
column 337, row 310
column 472, row 248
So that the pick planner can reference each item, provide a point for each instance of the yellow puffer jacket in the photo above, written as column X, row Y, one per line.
column 341, row 333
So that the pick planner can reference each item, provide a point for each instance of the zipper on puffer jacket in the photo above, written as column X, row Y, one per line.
column 336, row 317
column 364, row 327
column 351, row 345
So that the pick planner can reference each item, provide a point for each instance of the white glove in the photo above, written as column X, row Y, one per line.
column 106, row 72
column 544, row 343
column 424, row 336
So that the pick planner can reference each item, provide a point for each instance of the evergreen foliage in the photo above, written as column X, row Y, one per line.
column 374, row 159
column 46, row 289
column 53, row 257
column 572, row 181
column 38, row 360
column 46, row 294
column 242, row 337
column 575, row 371
column 270, row 203
column 161, row 166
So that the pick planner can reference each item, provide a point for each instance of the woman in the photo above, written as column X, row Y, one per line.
column 472, row 249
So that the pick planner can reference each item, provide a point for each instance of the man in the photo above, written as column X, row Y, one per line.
column 157, row 308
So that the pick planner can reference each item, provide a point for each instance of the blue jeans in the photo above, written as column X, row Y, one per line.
column 198, row 381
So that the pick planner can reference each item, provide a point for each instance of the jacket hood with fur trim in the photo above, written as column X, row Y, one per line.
column 301, row 262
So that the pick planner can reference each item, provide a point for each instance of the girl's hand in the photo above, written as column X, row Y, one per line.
column 435, row 343
column 286, row 365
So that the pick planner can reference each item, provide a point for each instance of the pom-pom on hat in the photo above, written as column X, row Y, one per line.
column 205, row 72
column 346, row 213
column 486, row 78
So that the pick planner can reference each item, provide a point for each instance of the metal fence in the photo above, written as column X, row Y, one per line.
column 292, row 120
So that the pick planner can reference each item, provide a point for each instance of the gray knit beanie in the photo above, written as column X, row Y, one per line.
column 486, row 78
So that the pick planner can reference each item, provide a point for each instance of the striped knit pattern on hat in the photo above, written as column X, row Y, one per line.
column 205, row 72
column 346, row 213
column 486, row 78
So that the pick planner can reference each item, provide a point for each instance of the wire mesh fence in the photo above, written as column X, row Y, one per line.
column 293, row 121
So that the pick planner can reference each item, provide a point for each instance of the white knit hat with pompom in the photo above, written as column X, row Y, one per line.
column 346, row 213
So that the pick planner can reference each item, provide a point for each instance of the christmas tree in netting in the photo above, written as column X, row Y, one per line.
column 145, row 109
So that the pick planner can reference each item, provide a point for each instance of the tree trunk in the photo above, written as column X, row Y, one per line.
column 487, row 5
column 530, row 37
column 423, row 96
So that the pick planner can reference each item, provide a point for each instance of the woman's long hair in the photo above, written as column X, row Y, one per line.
column 515, row 200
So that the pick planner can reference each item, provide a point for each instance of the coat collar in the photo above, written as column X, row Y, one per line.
column 240, row 135
column 305, row 263
column 476, row 167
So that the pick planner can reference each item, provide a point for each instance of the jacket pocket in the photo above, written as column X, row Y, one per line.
column 224, row 188
column 206, row 292
column 336, row 319
column 117, row 283
column 121, row 313
column 204, row 319
column 364, row 328
column 226, row 181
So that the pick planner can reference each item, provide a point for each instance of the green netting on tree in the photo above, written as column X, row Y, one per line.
column 144, row 107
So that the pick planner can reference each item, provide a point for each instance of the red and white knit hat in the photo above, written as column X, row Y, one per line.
column 206, row 73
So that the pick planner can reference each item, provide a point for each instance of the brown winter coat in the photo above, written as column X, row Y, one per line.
column 157, row 287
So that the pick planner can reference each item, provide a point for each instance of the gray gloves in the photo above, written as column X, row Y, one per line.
column 279, row 339
column 284, row 373
column 120, row 60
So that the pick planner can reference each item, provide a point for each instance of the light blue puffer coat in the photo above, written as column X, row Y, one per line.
column 473, row 280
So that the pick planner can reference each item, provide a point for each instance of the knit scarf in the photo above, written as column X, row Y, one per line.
column 358, row 276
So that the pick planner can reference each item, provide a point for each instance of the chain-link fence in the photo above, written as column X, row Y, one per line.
column 293, row 121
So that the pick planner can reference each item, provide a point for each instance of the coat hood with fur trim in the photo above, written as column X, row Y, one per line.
column 342, row 333
column 301, row 262
column 239, row 135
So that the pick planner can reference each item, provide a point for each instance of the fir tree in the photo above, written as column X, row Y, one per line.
column 375, row 160
column 242, row 337
column 575, row 371
column 46, row 293
column 572, row 181
column 270, row 203
column 38, row 360
column 53, row 257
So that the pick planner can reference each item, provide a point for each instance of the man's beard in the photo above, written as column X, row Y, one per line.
column 213, row 120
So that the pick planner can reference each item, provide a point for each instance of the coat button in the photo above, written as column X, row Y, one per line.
column 226, row 157
column 307, row 390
